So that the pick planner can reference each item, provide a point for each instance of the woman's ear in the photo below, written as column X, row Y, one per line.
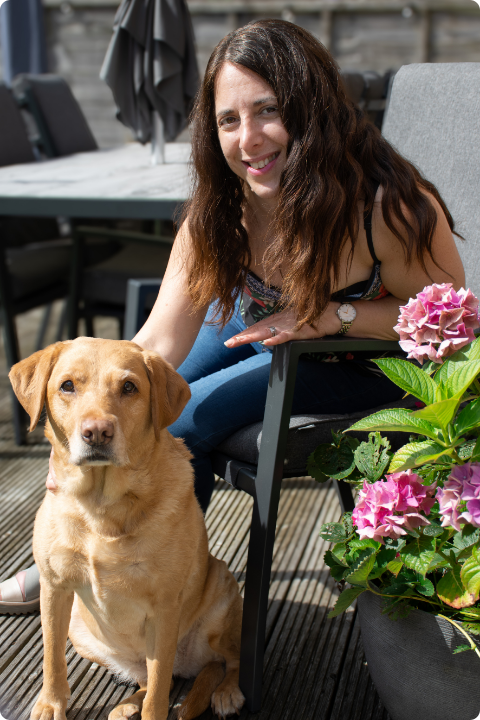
column 29, row 380
column 169, row 392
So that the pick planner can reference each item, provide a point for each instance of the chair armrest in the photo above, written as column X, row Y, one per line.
column 340, row 343
column 137, row 293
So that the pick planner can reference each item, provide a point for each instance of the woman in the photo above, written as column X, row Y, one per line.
column 303, row 222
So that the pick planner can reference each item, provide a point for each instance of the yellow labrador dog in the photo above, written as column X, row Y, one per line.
column 121, row 546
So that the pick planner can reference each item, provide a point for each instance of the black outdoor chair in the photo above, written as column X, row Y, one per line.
column 100, row 290
column 255, row 459
column 369, row 90
column 34, row 259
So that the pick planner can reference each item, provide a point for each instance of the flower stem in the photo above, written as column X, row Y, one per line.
column 472, row 644
column 404, row 597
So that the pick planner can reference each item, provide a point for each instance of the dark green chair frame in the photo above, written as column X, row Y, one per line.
column 262, row 482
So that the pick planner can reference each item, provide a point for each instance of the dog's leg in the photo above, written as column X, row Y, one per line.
column 130, row 707
column 227, row 698
column 199, row 697
column 161, row 635
column 56, row 607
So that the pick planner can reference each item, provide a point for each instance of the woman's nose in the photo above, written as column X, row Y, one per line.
column 250, row 134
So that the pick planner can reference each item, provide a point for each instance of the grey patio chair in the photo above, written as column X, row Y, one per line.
column 101, row 290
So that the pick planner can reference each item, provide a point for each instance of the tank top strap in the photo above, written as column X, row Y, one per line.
column 367, row 224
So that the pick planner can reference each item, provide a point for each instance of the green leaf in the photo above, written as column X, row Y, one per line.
column 473, row 628
column 465, row 451
column 471, row 612
column 372, row 457
column 361, row 568
column 468, row 418
column 438, row 562
column 475, row 456
column 339, row 550
column 338, row 568
column 461, row 648
column 417, row 453
column 439, row 413
column 451, row 591
column 345, row 600
column 410, row 378
column 467, row 537
column 395, row 566
column 365, row 543
column 384, row 557
column 433, row 531
column 418, row 554
column 465, row 354
column 462, row 378
column 331, row 461
column 333, row 532
column 396, row 420
column 426, row 587
column 470, row 573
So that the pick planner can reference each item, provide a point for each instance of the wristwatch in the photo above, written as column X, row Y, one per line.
column 346, row 314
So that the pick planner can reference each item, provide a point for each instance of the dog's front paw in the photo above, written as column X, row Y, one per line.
column 45, row 710
column 227, row 699
column 128, row 710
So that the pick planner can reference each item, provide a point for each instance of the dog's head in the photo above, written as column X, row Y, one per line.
column 103, row 397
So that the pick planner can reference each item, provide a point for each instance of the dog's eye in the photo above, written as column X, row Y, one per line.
column 129, row 387
column 67, row 387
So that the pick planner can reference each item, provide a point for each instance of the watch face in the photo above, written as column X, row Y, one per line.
column 347, row 313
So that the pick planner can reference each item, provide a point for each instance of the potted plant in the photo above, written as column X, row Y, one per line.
column 410, row 551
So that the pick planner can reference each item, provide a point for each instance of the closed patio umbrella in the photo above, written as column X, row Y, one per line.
column 151, row 68
column 22, row 38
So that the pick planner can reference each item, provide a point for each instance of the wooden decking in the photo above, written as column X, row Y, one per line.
column 314, row 667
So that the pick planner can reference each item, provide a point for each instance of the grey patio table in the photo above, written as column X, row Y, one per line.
column 118, row 183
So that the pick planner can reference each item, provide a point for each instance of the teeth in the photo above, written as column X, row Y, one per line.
column 262, row 163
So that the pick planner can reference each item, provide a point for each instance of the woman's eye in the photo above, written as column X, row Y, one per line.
column 270, row 109
column 227, row 121
column 129, row 387
column 67, row 387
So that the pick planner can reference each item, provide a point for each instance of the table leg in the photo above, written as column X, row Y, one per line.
column 20, row 417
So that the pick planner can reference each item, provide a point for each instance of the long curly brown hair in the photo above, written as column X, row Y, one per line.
column 335, row 157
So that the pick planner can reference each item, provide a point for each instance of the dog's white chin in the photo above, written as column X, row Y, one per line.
column 97, row 463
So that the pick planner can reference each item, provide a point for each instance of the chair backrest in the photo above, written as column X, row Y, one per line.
column 433, row 120
column 15, row 146
column 61, row 123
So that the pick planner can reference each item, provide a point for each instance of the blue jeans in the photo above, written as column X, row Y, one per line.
column 229, row 389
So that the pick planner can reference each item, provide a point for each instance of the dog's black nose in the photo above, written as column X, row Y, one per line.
column 97, row 432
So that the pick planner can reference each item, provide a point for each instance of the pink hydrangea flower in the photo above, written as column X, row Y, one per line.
column 460, row 498
column 388, row 508
column 437, row 323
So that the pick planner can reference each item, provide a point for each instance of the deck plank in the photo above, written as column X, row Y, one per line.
column 314, row 667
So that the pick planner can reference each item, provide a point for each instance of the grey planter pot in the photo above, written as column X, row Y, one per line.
column 413, row 667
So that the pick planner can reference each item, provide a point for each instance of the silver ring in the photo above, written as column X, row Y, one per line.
column 273, row 330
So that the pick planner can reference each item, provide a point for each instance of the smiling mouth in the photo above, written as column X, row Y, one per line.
column 262, row 163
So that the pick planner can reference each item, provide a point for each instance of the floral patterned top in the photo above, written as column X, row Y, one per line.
column 259, row 301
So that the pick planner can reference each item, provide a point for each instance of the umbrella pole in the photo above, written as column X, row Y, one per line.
column 158, row 140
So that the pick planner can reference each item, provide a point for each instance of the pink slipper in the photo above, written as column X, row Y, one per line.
column 20, row 594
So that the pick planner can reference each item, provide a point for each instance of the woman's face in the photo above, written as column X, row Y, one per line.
column 251, row 133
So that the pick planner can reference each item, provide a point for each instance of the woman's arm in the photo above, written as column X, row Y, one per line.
column 173, row 324
column 375, row 318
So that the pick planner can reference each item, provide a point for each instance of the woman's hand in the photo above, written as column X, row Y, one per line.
column 284, row 322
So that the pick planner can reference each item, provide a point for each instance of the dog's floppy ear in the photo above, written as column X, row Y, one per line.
column 169, row 391
column 29, row 379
